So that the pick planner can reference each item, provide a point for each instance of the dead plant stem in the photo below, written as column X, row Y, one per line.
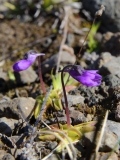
column 78, row 56
column 64, row 36
column 101, row 135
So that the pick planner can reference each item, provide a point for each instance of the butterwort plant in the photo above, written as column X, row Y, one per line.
column 28, row 59
column 89, row 78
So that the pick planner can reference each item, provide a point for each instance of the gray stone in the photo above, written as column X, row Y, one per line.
column 3, row 74
column 77, row 117
column 110, row 17
column 111, row 81
column 8, row 109
column 104, row 156
column 2, row 153
column 52, row 145
column 90, row 58
column 117, row 113
column 5, row 156
column 114, row 127
column 17, row 107
column 111, row 67
column 26, row 76
column 67, row 56
column 8, row 156
column 28, row 152
column 103, row 58
column 50, row 63
column 7, row 125
column 109, row 140
column 89, row 94
column 3, row 8
column 110, row 43
column 74, row 99
column 25, row 105
column 61, row 120
column 53, row 156
column 4, row 99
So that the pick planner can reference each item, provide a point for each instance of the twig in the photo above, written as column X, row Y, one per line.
column 78, row 55
column 46, row 125
column 98, row 13
column 43, row 107
column 66, row 8
column 41, row 114
column 101, row 134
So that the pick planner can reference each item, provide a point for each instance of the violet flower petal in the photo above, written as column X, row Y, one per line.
column 27, row 61
column 91, row 80
column 86, row 77
column 22, row 65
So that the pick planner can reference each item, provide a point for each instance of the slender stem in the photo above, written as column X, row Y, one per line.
column 40, row 76
column 86, row 38
column 65, row 96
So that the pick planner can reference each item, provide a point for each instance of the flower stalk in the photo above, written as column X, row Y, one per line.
column 65, row 97
column 89, row 78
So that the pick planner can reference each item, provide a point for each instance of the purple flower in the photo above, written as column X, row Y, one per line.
column 87, row 77
column 27, row 61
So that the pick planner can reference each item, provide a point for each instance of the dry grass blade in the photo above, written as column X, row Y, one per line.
column 101, row 134
column 62, row 140
column 46, row 125
column 71, row 145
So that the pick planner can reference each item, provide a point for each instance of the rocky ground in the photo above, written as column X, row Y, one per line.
column 18, row 91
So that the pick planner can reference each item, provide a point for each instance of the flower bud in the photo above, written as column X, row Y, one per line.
column 100, row 11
